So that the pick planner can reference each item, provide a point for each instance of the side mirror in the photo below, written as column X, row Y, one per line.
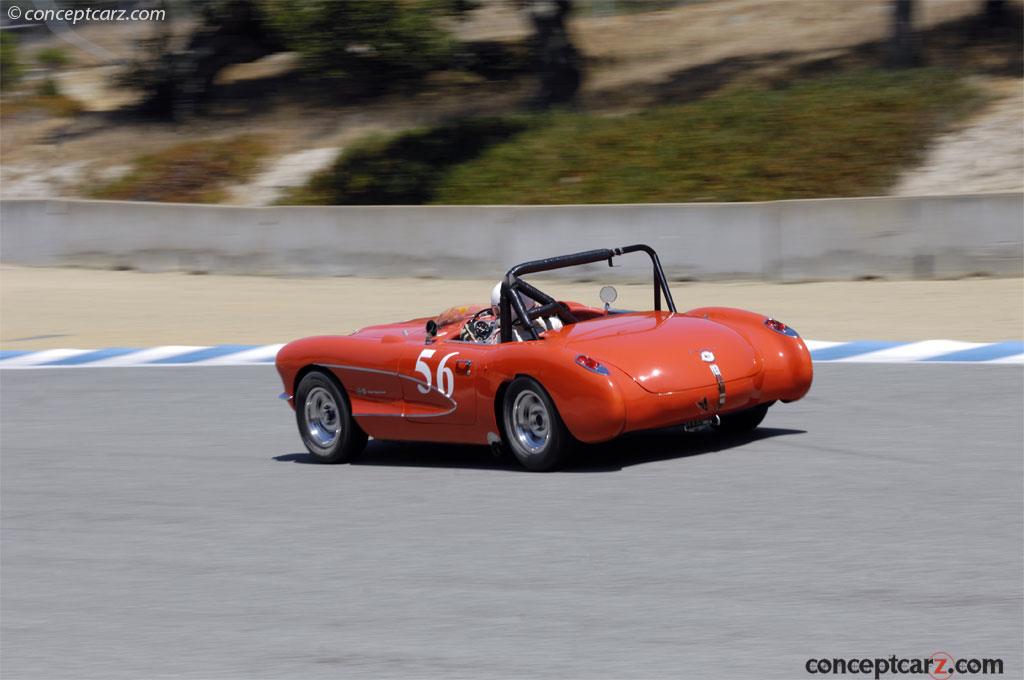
column 608, row 296
column 431, row 330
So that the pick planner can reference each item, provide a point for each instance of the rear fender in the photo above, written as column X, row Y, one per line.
column 788, row 371
column 590, row 404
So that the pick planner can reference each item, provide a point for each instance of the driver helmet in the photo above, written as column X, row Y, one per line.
column 496, row 298
column 496, row 302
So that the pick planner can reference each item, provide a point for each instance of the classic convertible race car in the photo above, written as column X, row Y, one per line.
column 533, row 375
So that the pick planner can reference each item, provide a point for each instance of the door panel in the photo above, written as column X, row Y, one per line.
column 439, row 383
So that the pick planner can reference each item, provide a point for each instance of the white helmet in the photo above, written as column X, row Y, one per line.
column 496, row 302
column 496, row 296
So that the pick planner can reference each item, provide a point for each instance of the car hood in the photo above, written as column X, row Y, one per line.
column 665, row 352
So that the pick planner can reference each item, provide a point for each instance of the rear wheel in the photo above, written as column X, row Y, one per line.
column 743, row 421
column 325, row 420
column 534, row 432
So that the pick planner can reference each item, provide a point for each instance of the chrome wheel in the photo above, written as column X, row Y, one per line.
column 531, row 422
column 323, row 421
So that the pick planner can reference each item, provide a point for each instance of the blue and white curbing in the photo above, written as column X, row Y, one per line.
column 859, row 351
column 168, row 355
column 932, row 351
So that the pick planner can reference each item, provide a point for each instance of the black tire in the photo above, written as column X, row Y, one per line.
column 534, row 432
column 324, row 418
column 745, row 420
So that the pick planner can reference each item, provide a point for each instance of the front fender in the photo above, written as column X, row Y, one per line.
column 332, row 350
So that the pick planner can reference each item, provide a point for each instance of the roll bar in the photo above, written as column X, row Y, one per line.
column 513, row 287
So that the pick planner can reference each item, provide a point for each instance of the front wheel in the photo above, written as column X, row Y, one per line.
column 534, row 432
column 325, row 420
column 745, row 420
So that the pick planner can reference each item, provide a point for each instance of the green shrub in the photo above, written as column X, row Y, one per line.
column 53, row 57
column 10, row 66
column 403, row 170
column 47, row 88
column 365, row 45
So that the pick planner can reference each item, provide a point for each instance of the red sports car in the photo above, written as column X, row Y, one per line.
column 534, row 375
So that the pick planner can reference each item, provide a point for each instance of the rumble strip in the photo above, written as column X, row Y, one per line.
column 859, row 351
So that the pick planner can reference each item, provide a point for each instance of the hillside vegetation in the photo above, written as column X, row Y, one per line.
column 193, row 172
column 843, row 135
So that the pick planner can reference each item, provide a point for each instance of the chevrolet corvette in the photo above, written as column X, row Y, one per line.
column 533, row 376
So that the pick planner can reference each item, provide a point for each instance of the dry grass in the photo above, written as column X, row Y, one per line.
column 194, row 172
column 56, row 105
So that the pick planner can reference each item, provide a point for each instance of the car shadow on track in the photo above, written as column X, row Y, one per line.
column 632, row 449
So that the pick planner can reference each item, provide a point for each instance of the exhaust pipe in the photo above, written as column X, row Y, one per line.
column 702, row 425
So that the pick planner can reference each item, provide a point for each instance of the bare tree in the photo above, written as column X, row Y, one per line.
column 995, row 12
column 558, row 62
column 904, row 44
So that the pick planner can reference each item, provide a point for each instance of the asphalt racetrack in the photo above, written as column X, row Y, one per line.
column 164, row 522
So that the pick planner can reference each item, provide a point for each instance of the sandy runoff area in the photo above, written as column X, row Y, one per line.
column 76, row 308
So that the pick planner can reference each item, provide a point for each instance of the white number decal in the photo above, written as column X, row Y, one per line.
column 445, row 376
column 421, row 367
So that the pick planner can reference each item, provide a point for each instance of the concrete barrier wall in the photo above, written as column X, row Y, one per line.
column 897, row 237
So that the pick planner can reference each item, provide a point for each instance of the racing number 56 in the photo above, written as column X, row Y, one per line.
column 445, row 376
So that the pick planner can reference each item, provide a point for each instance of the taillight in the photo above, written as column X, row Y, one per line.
column 780, row 327
column 591, row 365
